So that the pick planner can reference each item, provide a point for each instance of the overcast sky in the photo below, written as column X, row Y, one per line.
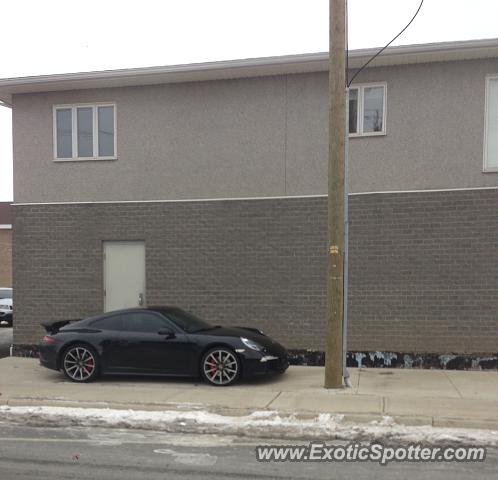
column 56, row 36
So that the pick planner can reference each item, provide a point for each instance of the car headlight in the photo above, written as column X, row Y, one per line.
column 250, row 344
column 4, row 307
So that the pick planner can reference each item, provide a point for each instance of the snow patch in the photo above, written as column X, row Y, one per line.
column 201, row 459
column 261, row 424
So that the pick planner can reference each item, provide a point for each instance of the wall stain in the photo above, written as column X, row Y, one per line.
column 388, row 359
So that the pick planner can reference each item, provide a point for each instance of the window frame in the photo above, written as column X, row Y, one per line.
column 485, row 167
column 361, row 107
column 74, row 133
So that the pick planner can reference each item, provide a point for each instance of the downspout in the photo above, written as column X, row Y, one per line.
column 345, row 374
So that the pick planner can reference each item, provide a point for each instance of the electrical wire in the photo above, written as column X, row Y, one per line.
column 347, row 44
column 383, row 48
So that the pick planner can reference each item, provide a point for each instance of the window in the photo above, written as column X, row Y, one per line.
column 143, row 322
column 114, row 322
column 85, row 132
column 367, row 110
column 186, row 321
column 491, row 125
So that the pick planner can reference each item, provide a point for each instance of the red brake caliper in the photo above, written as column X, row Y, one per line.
column 214, row 366
column 89, row 364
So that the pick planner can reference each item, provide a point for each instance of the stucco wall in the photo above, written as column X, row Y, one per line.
column 261, row 137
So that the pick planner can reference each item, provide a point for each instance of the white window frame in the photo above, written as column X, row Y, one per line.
column 74, row 132
column 485, row 167
column 361, row 88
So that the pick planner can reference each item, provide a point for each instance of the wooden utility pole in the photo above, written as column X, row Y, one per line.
column 337, row 124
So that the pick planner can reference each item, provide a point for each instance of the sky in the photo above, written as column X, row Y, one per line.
column 58, row 36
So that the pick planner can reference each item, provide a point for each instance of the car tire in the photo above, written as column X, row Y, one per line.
column 220, row 366
column 80, row 363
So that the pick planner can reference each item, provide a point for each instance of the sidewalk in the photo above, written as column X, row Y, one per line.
column 440, row 398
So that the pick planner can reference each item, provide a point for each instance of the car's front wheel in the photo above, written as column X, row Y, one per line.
column 220, row 366
column 80, row 363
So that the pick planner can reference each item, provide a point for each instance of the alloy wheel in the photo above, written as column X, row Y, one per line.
column 79, row 363
column 221, row 367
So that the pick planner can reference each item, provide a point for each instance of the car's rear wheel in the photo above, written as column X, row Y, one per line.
column 80, row 363
column 220, row 366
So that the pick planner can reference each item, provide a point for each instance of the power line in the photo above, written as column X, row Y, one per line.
column 383, row 48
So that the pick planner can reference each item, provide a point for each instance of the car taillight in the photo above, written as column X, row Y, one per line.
column 48, row 339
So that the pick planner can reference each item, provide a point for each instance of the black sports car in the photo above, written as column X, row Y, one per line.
column 158, row 341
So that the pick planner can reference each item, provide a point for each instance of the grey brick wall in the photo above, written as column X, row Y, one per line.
column 424, row 274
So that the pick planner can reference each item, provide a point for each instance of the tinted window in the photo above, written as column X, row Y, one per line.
column 64, row 133
column 106, row 131
column 110, row 323
column 84, row 117
column 143, row 322
column 186, row 321
column 373, row 113
column 353, row 110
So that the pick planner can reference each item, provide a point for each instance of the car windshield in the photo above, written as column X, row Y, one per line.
column 5, row 292
column 187, row 321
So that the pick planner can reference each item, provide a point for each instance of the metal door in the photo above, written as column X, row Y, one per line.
column 124, row 275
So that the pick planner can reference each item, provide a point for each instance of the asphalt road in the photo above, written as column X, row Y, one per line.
column 107, row 454
column 5, row 341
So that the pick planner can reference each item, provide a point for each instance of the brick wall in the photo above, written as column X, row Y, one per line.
column 5, row 258
column 424, row 266
column 424, row 272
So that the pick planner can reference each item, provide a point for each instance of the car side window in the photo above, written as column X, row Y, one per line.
column 143, row 322
column 114, row 322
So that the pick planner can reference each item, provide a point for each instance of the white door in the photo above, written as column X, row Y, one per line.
column 124, row 275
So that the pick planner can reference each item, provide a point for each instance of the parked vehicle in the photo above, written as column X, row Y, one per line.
column 6, row 306
column 158, row 341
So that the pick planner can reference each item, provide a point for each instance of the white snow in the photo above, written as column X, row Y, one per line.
column 261, row 424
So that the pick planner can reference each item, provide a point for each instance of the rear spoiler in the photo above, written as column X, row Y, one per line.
column 54, row 327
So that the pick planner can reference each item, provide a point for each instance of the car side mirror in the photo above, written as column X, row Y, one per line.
column 167, row 332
